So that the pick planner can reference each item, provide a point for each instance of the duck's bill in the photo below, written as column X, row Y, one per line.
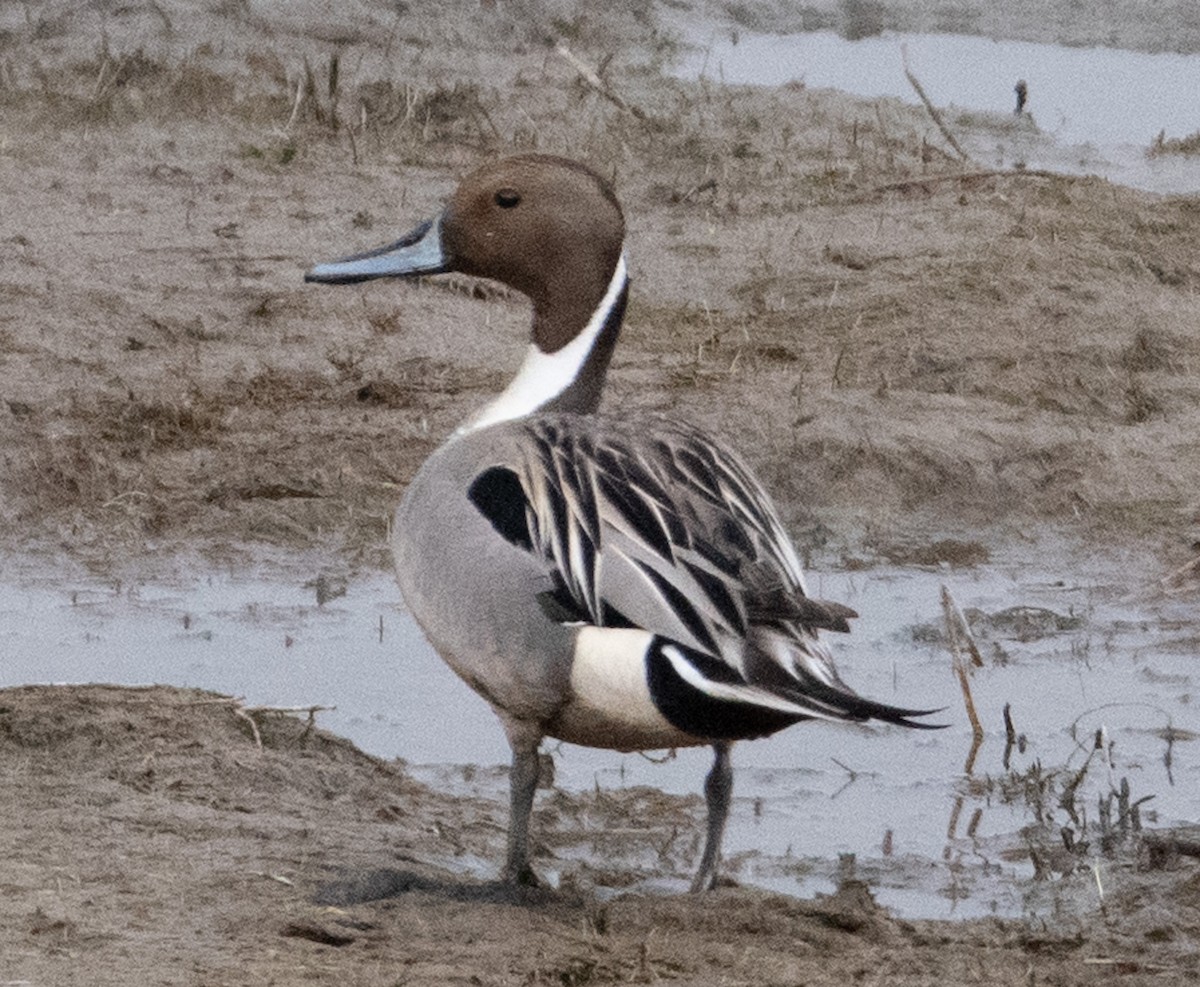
column 418, row 252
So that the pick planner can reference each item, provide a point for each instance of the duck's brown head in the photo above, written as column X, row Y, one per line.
column 547, row 226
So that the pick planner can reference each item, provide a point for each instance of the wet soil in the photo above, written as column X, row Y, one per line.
column 148, row 837
column 911, row 357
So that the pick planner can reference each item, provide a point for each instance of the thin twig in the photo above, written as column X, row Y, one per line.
column 955, row 627
column 481, row 110
column 930, row 108
column 883, row 132
column 310, row 723
column 248, row 713
column 100, row 79
column 964, row 629
column 287, row 129
column 850, row 771
column 241, row 712
column 588, row 74
column 310, row 710
column 708, row 185
column 274, row 877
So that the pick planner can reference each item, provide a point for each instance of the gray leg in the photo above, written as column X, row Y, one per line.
column 523, row 781
column 718, row 792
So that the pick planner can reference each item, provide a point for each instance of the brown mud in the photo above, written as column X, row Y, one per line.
column 911, row 359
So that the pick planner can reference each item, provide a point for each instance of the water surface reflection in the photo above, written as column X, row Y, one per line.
column 1070, row 657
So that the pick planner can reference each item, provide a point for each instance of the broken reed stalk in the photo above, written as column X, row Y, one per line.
column 956, row 631
column 976, row 743
column 248, row 713
column 930, row 108
column 296, row 104
column 952, row 825
column 240, row 712
column 588, row 74
column 964, row 629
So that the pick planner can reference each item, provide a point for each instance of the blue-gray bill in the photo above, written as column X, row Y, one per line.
column 415, row 253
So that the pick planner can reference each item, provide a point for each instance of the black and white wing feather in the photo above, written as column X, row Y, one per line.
column 652, row 525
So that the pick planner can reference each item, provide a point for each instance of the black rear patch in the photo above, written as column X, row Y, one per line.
column 498, row 495
column 695, row 711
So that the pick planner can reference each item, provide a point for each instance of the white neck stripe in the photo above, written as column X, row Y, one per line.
column 544, row 376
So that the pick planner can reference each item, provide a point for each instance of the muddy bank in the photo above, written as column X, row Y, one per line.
column 148, row 836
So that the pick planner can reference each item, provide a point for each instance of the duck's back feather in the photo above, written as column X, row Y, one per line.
column 651, row 524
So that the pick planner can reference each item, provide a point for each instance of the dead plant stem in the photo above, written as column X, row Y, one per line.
column 956, row 631
column 588, row 74
column 931, row 109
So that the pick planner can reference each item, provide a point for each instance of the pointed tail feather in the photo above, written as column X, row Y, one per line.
column 848, row 705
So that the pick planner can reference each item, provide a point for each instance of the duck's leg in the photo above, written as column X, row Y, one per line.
column 718, row 792
column 523, row 779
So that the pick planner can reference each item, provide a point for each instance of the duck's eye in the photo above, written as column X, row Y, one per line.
column 506, row 198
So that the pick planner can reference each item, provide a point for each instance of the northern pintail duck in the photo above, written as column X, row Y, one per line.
column 612, row 581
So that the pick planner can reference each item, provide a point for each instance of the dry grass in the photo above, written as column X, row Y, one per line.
column 273, row 389
column 139, row 428
column 794, row 268
column 67, row 473
column 115, row 88
column 1163, row 145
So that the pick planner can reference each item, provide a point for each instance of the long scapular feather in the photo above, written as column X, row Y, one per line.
column 658, row 527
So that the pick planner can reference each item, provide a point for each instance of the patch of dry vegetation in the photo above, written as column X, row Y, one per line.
column 1184, row 146
column 878, row 332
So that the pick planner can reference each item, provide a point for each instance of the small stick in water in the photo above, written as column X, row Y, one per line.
column 956, row 630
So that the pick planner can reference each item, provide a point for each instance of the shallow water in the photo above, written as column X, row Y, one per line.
column 804, row 796
column 1102, row 107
